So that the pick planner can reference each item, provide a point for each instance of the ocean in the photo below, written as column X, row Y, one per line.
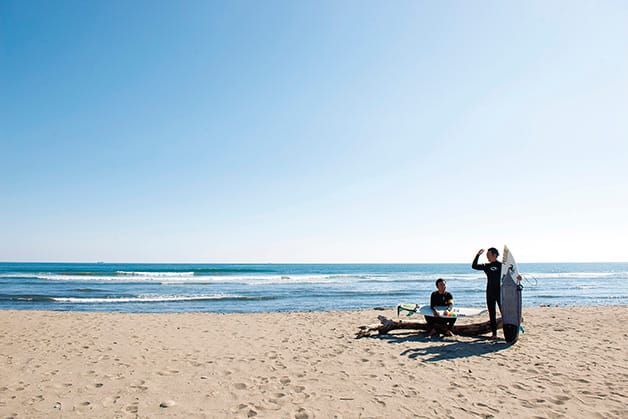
column 243, row 288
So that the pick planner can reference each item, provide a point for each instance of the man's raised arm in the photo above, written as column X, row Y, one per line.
column 475, row 265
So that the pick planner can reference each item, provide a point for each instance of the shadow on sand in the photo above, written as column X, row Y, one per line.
column 444, row 348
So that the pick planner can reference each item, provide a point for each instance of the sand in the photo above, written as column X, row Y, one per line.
column 571, row 362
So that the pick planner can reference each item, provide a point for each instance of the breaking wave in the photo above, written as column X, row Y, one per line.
column 130, row 299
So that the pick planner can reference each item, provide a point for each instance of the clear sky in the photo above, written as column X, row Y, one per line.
column 313, row 131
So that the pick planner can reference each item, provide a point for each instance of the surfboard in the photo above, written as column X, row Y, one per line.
column 455, row 312
column 510, row 297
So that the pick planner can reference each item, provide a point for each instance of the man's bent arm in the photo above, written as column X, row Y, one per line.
column 477, row 266
column 450, row 303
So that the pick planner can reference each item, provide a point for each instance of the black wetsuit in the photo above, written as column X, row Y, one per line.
column 493, row 273
column 440, row 300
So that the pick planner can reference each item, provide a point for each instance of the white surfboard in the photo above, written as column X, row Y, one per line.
column 455, row 312
column 510, row 297
column 508, row 263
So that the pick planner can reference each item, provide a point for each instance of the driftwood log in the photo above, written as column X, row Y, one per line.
column 386, row 325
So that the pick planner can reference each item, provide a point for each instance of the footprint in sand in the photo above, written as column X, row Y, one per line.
column 240, row 386
column 559, row 400
column 301, row 414
column 527, row 404
column 480, row 404
column 284, row 380
column 132, row 409
column 168, row 372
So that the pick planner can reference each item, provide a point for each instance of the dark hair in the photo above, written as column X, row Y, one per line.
column 440, row 280
column 494, row 251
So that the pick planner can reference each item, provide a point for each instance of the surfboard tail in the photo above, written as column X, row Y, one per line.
column 511, row 332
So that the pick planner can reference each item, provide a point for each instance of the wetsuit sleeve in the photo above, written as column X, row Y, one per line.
column 450, row 300
column 433, row 302
column 478, row 266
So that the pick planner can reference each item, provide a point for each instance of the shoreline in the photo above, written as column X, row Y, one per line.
column 571, row 361
column 349, row 310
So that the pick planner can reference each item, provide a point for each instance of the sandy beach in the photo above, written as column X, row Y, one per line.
column 571, row 362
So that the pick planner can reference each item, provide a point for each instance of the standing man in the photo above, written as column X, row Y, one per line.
column 493, row 271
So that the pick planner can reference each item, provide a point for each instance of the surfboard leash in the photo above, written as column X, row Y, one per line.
column 528, row 282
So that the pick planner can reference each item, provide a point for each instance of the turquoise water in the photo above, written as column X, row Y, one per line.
column 288, row 287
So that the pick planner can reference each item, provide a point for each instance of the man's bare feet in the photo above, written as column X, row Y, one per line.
column 448, row 333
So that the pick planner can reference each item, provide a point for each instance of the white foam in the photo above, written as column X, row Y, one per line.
column 157, row 274
column 576, row 275
column 174, row 278
column 179, row 278
column 257, row 279
column 183, row 278
column 146, row 299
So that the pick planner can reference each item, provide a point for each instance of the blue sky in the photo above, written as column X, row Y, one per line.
column 313, row 131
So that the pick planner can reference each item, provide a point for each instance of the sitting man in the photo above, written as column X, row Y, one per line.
column 440, row 298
